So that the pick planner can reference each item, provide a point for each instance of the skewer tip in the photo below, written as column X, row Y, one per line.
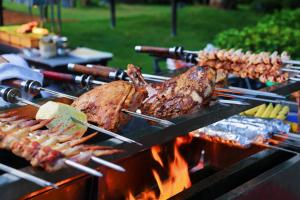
column 138, row 48
column 71, row 66
column 52, row 185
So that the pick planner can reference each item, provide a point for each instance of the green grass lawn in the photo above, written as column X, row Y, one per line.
column 145, row 25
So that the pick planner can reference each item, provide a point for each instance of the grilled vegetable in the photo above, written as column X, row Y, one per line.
column 268, row 111
column 260, row 110
column 251, row 111
column 275, row 111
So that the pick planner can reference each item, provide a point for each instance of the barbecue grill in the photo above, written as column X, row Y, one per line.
column 229, row 172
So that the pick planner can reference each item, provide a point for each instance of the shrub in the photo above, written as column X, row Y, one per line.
column 279, row 32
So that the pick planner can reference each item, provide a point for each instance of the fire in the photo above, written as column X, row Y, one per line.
column 178, row 178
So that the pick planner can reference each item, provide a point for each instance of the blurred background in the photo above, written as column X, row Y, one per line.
column 258, row 25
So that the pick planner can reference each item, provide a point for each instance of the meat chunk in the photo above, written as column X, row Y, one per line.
column 103, row 104
column 180, row 95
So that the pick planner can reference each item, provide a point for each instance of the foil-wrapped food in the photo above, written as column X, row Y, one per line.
column 243, row 130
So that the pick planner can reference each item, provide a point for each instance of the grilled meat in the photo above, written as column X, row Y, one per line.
column 23, row 138
column 104, row 103
column 263, row 66
column 180, row 95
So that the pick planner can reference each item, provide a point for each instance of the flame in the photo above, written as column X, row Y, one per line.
column 178, row 178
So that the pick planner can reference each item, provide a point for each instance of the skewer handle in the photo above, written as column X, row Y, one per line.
column 152, row 50
column 100, row 71
column 106, row 71
column 88, row 70
column 57, row 76
column 13, row 83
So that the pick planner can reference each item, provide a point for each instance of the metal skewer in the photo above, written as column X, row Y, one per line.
column 82, row 168
column 275, row 147
column 108, row 164
column 234, row 102
column 102, row 130
column 255, row 92
column 34, row 87
column 285, row 69
column 257, row 99
column 160, row 121
column 293, row 62
column 26, row 176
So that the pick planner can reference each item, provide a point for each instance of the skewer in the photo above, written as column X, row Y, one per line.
column 26, row 176
column 108, row 164
column 83, row 80
column 286, row 137
column 102, row 130
column 82, row 168
column 285, row 69
column 293, row 62
column 277, row 101
column 34, row 87
column 108, row 72
column 234, row 102
column 113, row 70
column 160, row 121
column 275, row 147
column 179, row 52
column 255, row 92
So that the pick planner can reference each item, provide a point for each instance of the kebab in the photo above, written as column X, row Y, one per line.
column 264, row 66
column 44, row 150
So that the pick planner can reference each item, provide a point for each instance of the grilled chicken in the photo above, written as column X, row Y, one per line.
column 180, row 95
column 103, row 105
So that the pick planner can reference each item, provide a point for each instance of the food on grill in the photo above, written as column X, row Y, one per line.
column 45, row 148
column 277, row 111
column 232, row 130
column 180, row 95
column 60, row 115
column 264, row 66
column 104, row 103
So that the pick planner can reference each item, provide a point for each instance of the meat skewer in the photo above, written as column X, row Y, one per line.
column 265, row 66
column 32, row 145
column 10, row 140
column 13, row 96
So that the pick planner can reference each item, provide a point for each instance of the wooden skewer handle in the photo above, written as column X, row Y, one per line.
column 17, row 83
column 152, row 50
column 104, row 73
column 105, row 70
column 57, row 76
